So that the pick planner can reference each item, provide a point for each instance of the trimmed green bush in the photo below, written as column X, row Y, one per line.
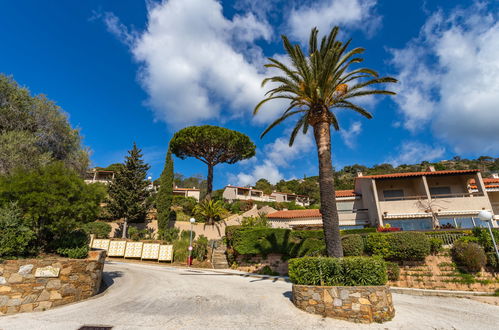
column 436, row 245
column 409, row 246
column 378, row 244
column 348, row 271
column 492, row 261
column 180, row 250
column 483, row 238
column 200, row 248
column 393, row 271
column 97, row 228
column 469, row 256
column 398, row 246
column 353, row 245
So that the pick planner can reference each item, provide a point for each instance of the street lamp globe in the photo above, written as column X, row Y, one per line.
column 192, row 220
column 485, row 215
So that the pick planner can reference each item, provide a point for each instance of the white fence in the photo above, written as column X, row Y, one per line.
column 127, row 249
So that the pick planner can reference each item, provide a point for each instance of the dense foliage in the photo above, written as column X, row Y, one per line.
column 127, row 191
column 16, row 236
column 34, row 131
column 97, row 228
column 347, row 271
column 393, row 271
column 54, row 201
column 212, row 145
column 210, row 211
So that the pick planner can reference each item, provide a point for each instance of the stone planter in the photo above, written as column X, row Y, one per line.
column 361, row 304
column 38, row 284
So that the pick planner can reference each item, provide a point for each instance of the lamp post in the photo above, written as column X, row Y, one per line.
column 189, row 260
column 488, row 216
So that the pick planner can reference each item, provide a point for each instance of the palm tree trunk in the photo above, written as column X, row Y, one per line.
column 209, row 187
column 329, row 211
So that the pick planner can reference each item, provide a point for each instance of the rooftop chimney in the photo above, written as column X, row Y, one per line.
column 495, row 175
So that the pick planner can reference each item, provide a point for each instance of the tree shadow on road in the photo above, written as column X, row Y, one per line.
column 108, row 279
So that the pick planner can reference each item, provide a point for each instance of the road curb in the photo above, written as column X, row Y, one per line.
column 438, row 293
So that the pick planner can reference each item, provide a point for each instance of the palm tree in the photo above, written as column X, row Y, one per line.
column 210, row 211
column 316, row 85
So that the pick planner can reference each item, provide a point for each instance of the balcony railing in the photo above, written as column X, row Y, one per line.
column 458, row 195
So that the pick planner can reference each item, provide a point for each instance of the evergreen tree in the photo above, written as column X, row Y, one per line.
column 127, row 191
column 164, row 198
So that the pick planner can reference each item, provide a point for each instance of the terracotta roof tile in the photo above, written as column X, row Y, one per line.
column 346, row 193
column 414, row 174
column 292, row 214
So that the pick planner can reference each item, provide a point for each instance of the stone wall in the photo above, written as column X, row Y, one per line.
column 440, row 273
column 361, row 304
column 253, row 264
column 38, row 284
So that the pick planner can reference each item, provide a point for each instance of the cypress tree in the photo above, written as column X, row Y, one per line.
column 164, row 198
column 128, row 190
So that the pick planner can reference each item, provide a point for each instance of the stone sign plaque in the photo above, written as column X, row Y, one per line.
column 48, row 271
column 166, row 253
column 150, row 251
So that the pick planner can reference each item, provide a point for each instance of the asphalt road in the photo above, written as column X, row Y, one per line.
column 154, row 297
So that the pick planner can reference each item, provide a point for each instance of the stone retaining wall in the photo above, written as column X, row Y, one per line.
column 38, row 284
column 361, row 304
column 253, row 264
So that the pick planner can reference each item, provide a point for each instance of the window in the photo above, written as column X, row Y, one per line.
column 345, row 207
column 393, row 194
column 411, row 224
column 435, row 191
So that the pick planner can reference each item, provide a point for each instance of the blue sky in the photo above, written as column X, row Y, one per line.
column 130, row 71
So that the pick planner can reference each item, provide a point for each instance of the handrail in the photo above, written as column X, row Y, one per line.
column 456, row 195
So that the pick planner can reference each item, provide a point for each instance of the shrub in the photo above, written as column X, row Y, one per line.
column 398, row 246
column 469, row 256
column 16, row 237
column 409, row 246
column 363, row 271
column 378, row 244
column 169, row 235
column 200, row 248
column 435, row 245
column 186, row 234
column 315, row 271
column 357, row 231
column 241, row 206
column 97, row 228
column 260, row 221
column 353, row 245
column 74, row 253
column 348, row 271
column 492, row 261
column 70, row 240
column 483, row 238
column 186, row 203
column 393, row 271
column 468, row 239
column 310, row 248
column 180, row 250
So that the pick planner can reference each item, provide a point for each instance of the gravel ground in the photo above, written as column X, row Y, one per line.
column 152, row 297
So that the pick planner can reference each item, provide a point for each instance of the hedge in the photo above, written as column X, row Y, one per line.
column 469, row 256
column 297, row 243
column 399, row 246
column 348, row 271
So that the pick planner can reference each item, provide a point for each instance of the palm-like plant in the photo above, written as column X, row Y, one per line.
column 210, row 210
column 316, row 85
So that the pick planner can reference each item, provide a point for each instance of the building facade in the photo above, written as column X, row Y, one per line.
column 411, row 201
column 233, row 193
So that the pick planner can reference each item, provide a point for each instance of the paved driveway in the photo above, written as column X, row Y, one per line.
column 153, row 297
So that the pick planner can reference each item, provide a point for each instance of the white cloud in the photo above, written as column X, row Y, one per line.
column 358, row 14
column 196, row 64
column 349, row 135
column 411, row 152
column 450, row 79
column 277, row 155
